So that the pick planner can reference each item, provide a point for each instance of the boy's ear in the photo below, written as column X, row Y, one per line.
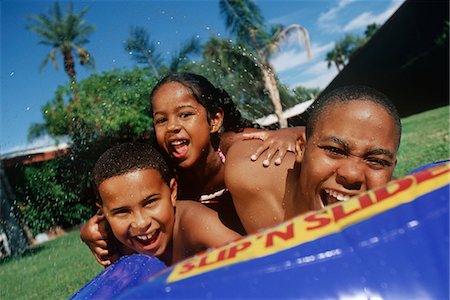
column 173, row 191
column 216, row 121
column 300, row 145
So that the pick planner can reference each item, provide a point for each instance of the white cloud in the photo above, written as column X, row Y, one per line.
column 285, row 19
column 366, row 18
column 332, row 13
column 323, row 77
column 328, row 20
column 293, row 58
column 318, row 68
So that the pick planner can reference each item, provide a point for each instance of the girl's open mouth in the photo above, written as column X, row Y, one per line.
column 179, row 148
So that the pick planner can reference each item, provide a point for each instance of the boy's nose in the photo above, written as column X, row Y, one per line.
column 140, row 222
column 350, row 174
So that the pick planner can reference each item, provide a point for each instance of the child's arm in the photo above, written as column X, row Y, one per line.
column 97, row 235
column 277, row 142
column 275, row 145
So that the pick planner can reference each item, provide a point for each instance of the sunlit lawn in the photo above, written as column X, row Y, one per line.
column 57, row 269
column 425, row 139
column 53, row 270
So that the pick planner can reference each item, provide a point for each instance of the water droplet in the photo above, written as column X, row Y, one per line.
column 131, row 52
column 197, row 36
column 28, row 108
column 208, row 28
column 113, row 60
column 158, row 42
column 171, row 17
column 11, row 74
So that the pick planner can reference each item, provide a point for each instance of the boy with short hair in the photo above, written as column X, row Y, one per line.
column 350, row 146
column 138, row 195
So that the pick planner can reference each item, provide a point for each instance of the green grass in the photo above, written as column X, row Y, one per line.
column 57, row 269
column 52, row 270
column 425, row 139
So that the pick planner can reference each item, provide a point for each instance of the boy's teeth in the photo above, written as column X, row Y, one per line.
column 145, row 237
column 338, row 196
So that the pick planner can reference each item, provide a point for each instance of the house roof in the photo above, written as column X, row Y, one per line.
column 39, row 154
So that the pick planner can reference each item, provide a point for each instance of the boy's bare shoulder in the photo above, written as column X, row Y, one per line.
column 192, row 213
column 241, row 172
column 189, row 208
column 200, row 226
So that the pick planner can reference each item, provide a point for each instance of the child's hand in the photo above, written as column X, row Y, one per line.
column 275, row 142
column 96, row 234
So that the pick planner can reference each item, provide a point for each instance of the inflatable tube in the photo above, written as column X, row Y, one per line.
column 427, row 166
column 127, row 272
column 391, row 242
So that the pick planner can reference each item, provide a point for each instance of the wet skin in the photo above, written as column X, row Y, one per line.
column 352, row 149
column 181, row 125
column 139, row 207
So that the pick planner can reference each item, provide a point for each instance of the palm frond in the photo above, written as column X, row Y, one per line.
column 192, row 46
column 302, row 35
column 142, row 49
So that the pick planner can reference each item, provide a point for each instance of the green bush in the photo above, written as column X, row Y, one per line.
column 48, row 200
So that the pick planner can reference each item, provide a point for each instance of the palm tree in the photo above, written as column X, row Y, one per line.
column 347, row 46
column 335, row 57
column 66, row 34
column 244, row 19
column 227, row 65
column 143, row 50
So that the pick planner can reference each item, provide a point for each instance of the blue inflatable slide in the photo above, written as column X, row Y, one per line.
column 388, row 243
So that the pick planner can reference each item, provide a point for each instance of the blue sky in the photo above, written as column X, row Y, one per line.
column 24, row 89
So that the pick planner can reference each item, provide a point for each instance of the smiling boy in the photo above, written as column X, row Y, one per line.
column 350, row 146
column 138, row 193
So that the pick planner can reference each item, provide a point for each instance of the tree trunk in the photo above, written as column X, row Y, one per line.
column 69, row 68
column 270, row 84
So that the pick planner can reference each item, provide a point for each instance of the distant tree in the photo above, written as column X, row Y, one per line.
column 144, row 51
column 66, row 34
column 246, row 22
column 179, row 59
column 303, row 94
column 344, row 48
column 114, row 103
column 370, row 30
column 227, row 65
